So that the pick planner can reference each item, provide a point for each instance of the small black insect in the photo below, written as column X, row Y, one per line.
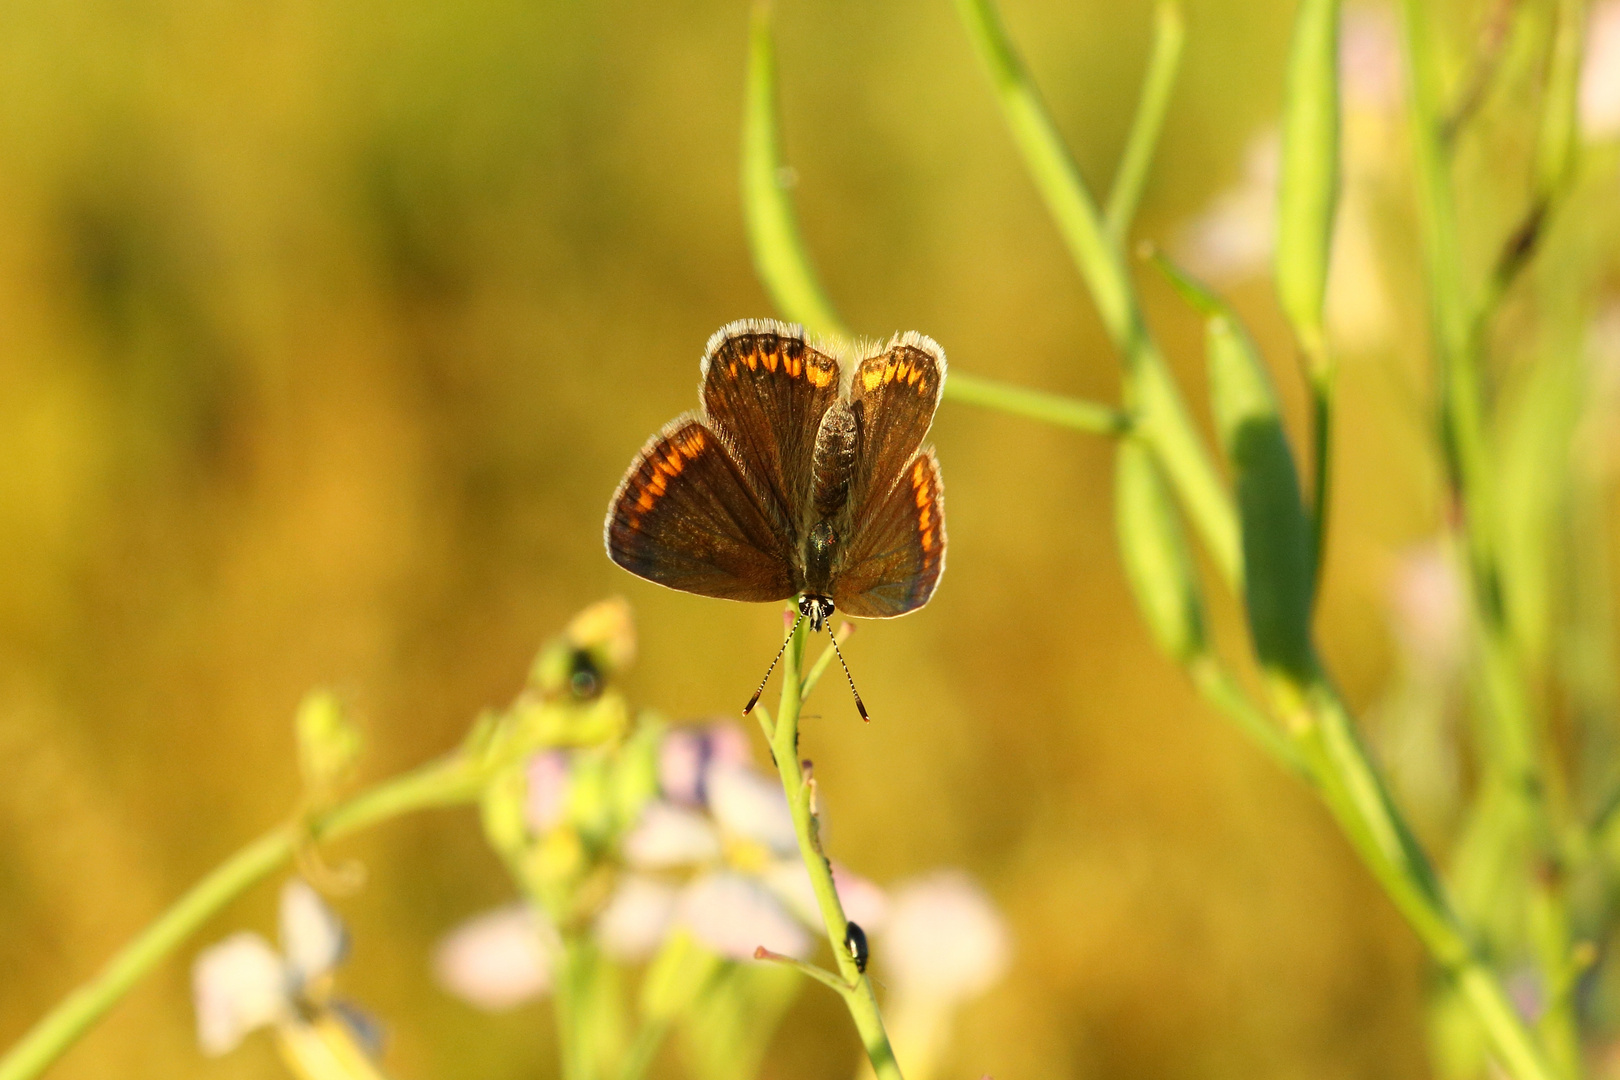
column 584, row 677
column 855, row 943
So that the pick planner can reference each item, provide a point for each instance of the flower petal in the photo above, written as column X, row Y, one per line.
column 237, row 986
column 864, row 901
column 669, row 836
column 751, row 805
column 312, row 936
column 636, row 918
column 687, row 755
column 945, row 939
column 497, row 960
column 547, row 799
column 734, row 915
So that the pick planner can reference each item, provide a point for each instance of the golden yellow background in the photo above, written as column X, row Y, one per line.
column 326, row 331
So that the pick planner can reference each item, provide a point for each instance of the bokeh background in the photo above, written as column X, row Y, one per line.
column 326, row 331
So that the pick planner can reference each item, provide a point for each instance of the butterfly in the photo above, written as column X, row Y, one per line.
column 794, row 478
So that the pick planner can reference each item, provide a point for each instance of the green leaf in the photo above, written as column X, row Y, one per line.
column 1153, row 547
column 1279, row 575
column 1309, row 191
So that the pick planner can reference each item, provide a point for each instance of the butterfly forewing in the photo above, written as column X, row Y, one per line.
column 764, row 392
column 685, row 517
column 894, row 561
column 893, row 395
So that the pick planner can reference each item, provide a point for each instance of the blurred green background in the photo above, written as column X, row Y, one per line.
column 326, row 331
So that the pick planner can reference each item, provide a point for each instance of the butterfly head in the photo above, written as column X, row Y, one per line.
column 816, row 609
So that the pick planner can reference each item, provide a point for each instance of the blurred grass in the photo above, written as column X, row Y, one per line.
column 329, row 330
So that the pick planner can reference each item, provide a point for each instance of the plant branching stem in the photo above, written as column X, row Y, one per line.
column 1514, row 751
column 1169, row 34
column 1161, row 417
column 447, row 782
column 858, row 995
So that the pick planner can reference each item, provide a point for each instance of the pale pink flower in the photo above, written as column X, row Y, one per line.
column 687, row 755
column 637, row 917
column 1232, row 240
column 734, row 915
column 750, row 805
column 669, row 836
column 1429, row 605
column 1600, row 72
column 243, row 983
column 546, row 801
column 944, row 940
column 1370, row 58
column 497, row 960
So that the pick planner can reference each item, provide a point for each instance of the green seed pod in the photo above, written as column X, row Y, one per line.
column 1153, row 547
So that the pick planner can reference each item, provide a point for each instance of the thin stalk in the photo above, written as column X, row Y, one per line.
column 1218, row 687
column 784, row 265
column 1514, row 750
column 447, row 782
column 858, row 995
column 1161, row 415
column 1073, row 413
column 1169, row 34
column 1357, row 797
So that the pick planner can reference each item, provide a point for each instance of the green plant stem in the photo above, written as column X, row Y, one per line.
column 1514, row 749
column 1321, row 466
column 1218, row 687
column 858, row 995
column 1073, row 413
column 1357, row 797
column 1152, row 396
column 443, row 783
column 1169, row 34
column 784, row 265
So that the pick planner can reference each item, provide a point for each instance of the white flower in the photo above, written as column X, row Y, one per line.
column 497, row 960
column 1600, row 72
column 1429, row 605
column 735, row 914
column 945, row 939
column 717, row 855
column 238, row 986
column 1232, row 240
column 1370, row 59
column 242, row 984
column 945, row 943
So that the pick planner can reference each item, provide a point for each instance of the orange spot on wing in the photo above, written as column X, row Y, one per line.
column 916, row 373
column 820, row 376
column 871, row 377
column 928, row 539
column 658, row 484
column 734, row 369
column 794, row 367
column 751, row 360
column 770, row 360
column 646, row 499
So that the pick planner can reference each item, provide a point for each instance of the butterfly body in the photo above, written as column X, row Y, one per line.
column 796, row 478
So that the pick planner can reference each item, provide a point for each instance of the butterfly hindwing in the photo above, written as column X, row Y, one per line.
column 893, row 563
column 684, row 517
column 893, row 396
column 764, row 392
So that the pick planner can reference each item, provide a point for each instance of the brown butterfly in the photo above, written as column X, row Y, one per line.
column 795, row 478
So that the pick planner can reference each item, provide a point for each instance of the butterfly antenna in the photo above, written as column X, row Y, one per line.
column 859, row 704
column 748, row 708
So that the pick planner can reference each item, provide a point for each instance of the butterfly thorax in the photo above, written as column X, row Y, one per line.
column 833, row 468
